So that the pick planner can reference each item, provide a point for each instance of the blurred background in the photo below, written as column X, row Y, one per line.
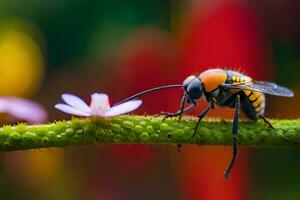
column 123, row 47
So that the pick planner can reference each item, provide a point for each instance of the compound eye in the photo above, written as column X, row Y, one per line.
column 194, row 89
column 187, row 81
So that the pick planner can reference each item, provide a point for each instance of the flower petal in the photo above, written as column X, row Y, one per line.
column 76, row 102
column 100, row 101
column 70, row 110
column 23, row 109
column 123, row 108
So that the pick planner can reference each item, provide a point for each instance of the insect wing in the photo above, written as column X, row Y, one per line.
column 269, row 84
column 273, row 89
column 263, row 87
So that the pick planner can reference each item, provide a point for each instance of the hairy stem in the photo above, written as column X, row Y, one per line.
column 130, row 129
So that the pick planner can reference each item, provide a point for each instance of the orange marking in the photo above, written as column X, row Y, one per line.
column 212, row 79
column 254, row 96
column 256, row 103
column 247, row 92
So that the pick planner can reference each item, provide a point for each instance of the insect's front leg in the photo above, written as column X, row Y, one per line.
column 180, row 111
column 234, row 137
column 170, row 114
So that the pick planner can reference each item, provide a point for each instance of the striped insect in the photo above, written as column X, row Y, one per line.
column 225, row 88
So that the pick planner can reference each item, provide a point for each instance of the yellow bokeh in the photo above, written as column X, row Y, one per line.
column 21, row 62
column 21, row 72
column 35, row 168
column 44, row 165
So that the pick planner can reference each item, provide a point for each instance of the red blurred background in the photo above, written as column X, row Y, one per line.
column 123, row 48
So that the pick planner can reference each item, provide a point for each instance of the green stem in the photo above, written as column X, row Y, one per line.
column 130, row 129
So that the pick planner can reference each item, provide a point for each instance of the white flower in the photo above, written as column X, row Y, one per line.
column 99, row 106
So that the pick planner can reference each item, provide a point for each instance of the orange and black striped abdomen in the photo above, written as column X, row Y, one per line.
column 257, row 102
column 252, row 103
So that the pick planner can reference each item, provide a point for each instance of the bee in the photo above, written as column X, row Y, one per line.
column 225, row 88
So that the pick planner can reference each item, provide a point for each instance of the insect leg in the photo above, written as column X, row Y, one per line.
column 267, row 122
column 179, row 112
column 183, row 101
column 200, row 117
column 234, row 136
column 169, row 114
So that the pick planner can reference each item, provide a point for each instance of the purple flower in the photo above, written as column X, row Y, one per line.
column 22, row 109
column 99, row 106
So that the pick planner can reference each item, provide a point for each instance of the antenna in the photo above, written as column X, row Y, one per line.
column 149, row 91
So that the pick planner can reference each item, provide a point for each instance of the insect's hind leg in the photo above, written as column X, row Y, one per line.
column 267, row 122
column 234, row 137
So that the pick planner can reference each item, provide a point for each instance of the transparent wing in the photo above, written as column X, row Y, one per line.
column 270, row 84
column 263, row 87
